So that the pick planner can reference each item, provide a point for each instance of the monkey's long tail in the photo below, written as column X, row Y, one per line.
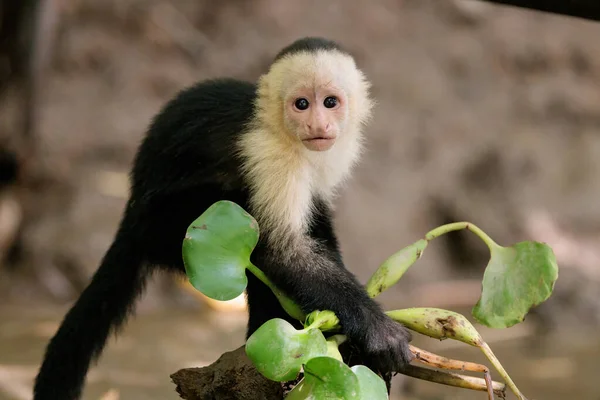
column 101, row 309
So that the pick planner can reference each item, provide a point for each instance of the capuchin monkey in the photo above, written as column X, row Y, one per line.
column 279, row 148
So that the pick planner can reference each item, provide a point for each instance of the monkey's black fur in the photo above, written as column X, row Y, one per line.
column 310, row 44
column 182, row 167
column 186, row 163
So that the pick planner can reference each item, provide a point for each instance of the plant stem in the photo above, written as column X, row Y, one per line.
column 456, row 226
column 490, row 355
column 260, row 275
column 338, row 339
column 436, row 361
column 288, row 304
column 452, row 379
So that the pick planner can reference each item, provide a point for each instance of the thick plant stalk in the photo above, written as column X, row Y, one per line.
column 453, row 379
column 288, row 305
column 490, row 355
column 433, row 360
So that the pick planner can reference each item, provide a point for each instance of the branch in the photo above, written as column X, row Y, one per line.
column 586, row 9
column 433, row 360
column 232, row 376
column 453, row 379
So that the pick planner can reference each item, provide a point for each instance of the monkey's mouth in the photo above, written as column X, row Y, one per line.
column 319, row 143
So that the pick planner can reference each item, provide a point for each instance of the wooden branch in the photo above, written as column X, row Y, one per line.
column 433, row 360
column 231, row 377
column 586, row 9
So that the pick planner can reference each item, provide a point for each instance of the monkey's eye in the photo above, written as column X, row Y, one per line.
column 301, row 104
column 330, row 102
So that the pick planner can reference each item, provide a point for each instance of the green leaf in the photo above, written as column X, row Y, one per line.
column 217, row 248
column 372, row 387
column 326, row 378
column 516, row 279
column 392, row 269
column 278, row 350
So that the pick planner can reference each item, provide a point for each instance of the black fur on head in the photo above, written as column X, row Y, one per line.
column 310, row 44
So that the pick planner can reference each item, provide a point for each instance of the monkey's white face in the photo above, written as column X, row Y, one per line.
column 306, row 135
column 316, row 115
column 316, row 99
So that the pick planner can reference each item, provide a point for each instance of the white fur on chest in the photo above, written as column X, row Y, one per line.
column 285, row 178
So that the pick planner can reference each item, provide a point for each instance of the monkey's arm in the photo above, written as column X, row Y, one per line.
column 320, row 281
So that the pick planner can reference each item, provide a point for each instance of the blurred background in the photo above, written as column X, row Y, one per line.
column 485, row 113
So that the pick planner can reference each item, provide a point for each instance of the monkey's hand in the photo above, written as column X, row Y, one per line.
column 385, row 345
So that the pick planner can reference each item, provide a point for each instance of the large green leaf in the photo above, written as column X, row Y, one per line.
column 516, row 278
column 372, row 387
column 326, row 378
column 217, row 248
column 278, row 350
